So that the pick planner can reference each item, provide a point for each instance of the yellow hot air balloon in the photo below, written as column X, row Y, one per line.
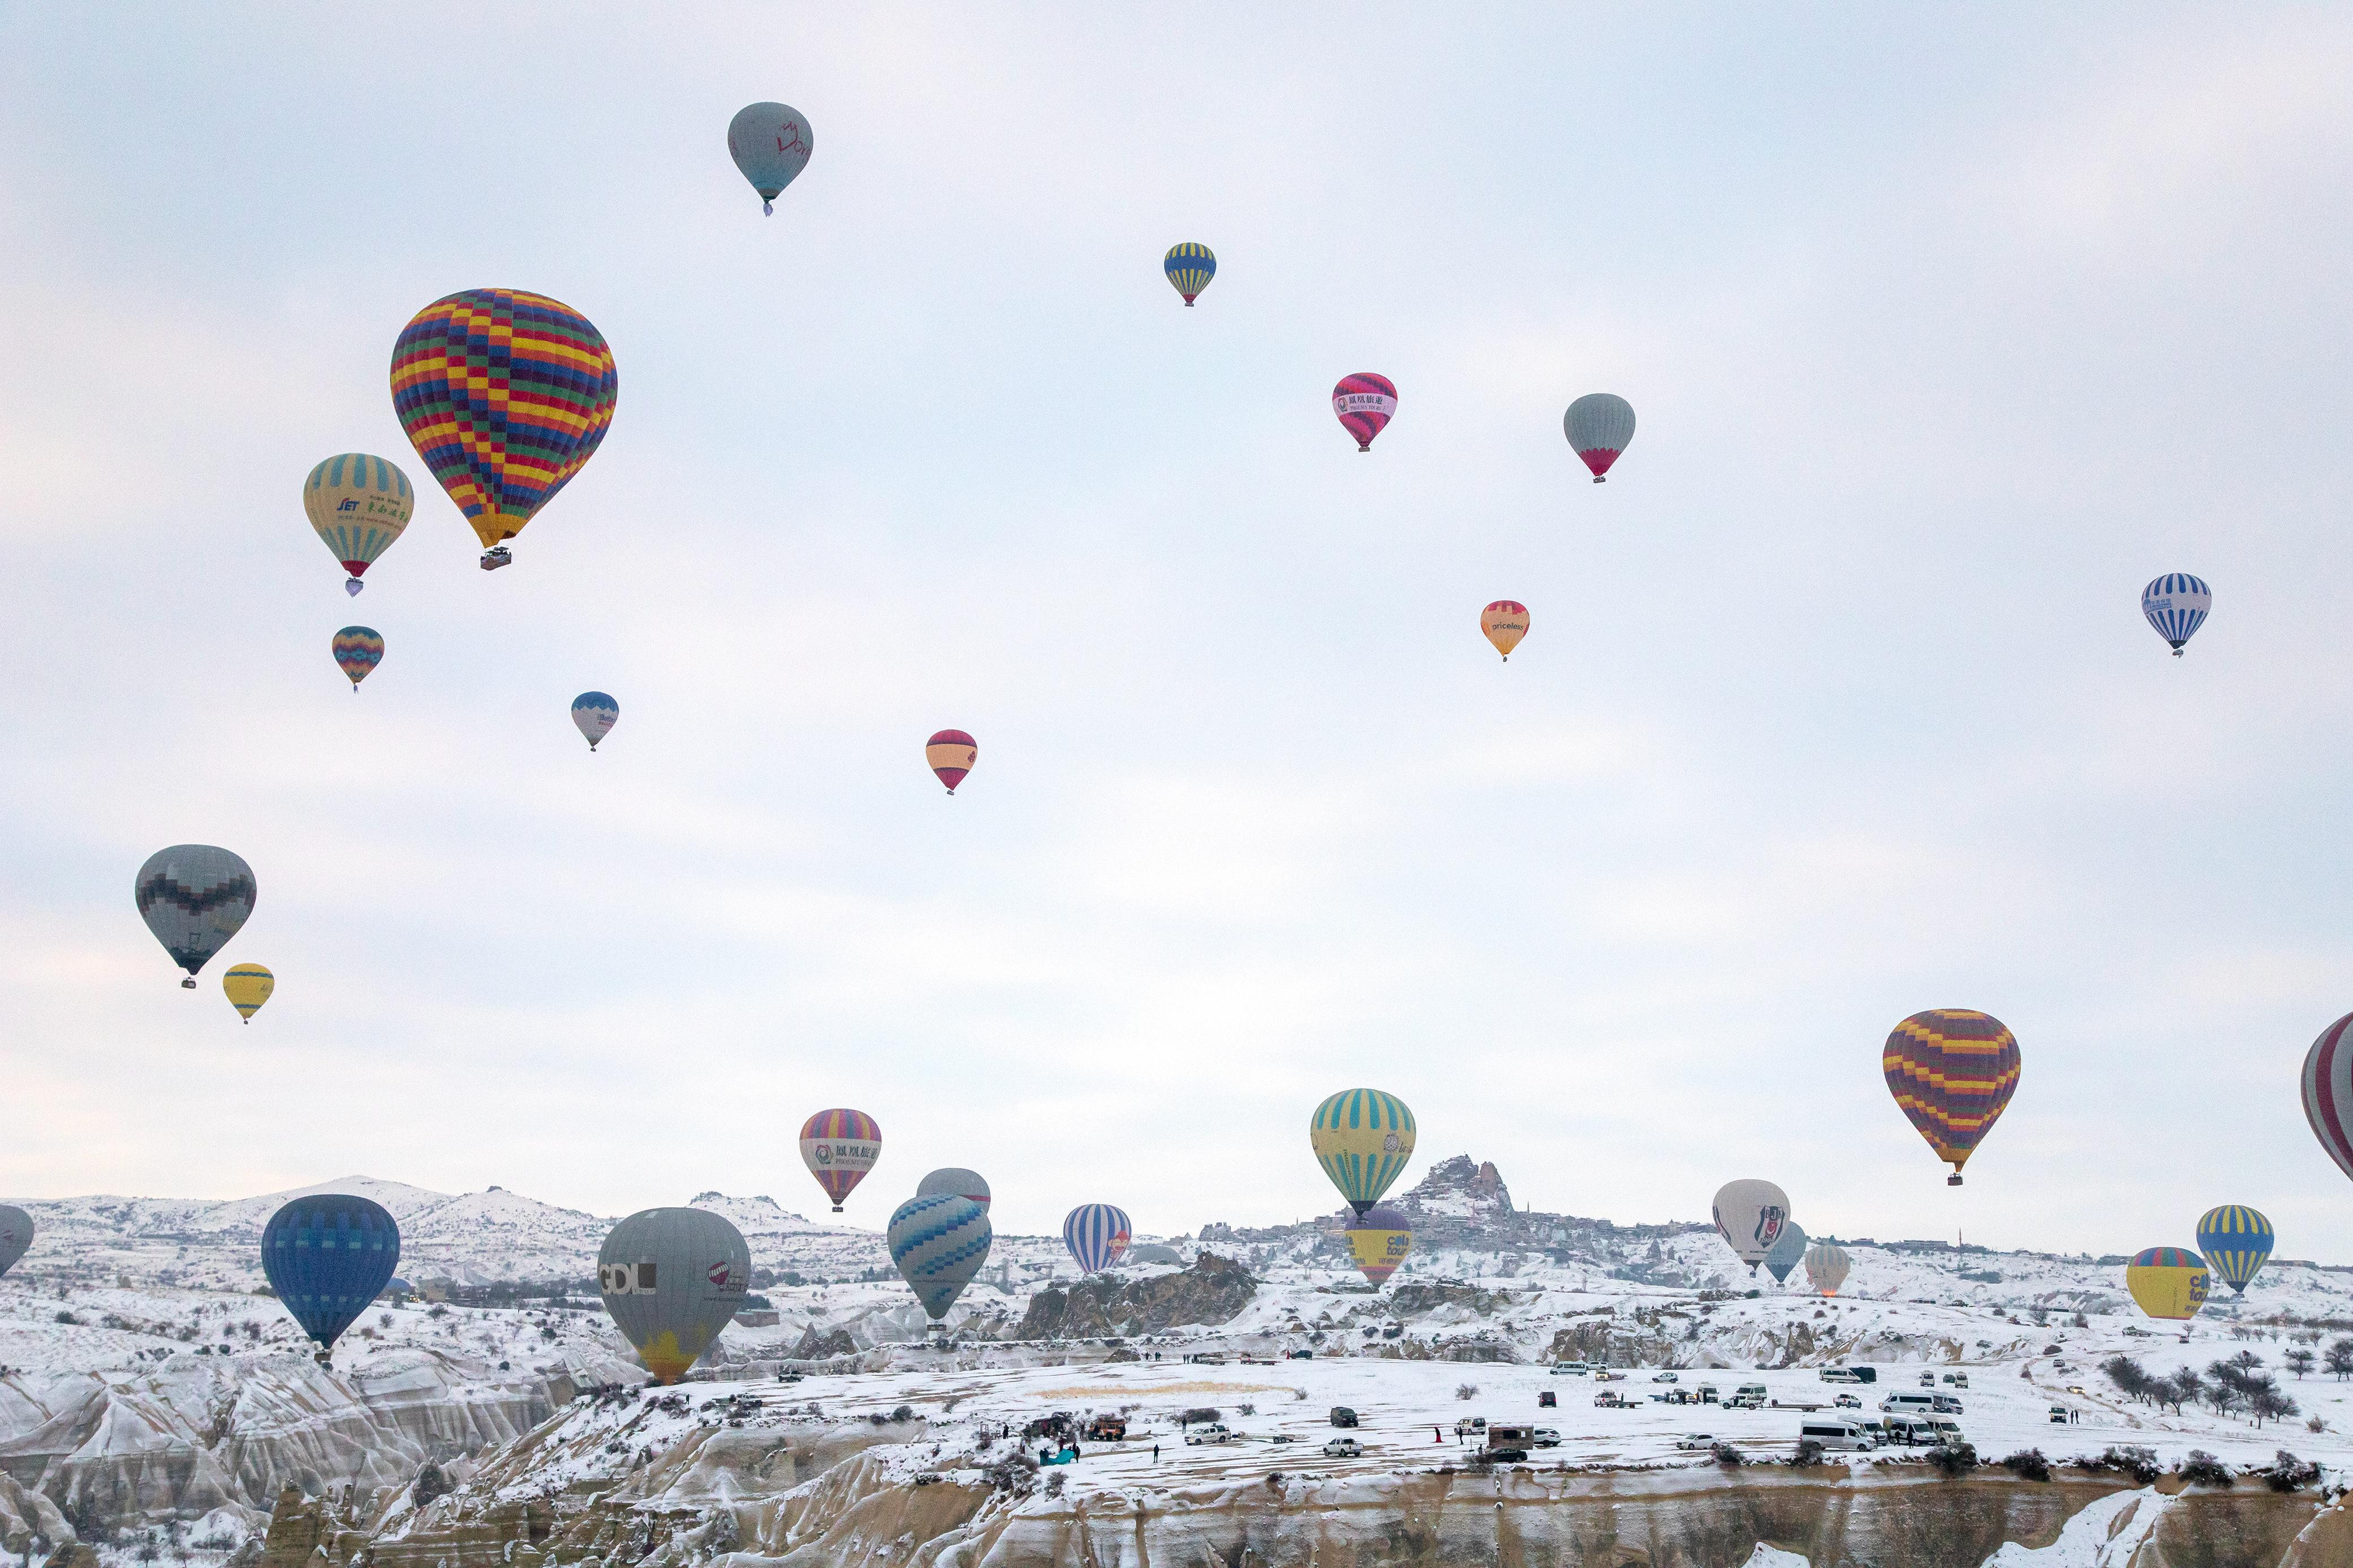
column 2168, row 1282
column 1363, row 1139
column 358, row 505
column 248, row 985
column 1505, row 623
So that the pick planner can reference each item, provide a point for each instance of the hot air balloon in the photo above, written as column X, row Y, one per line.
column 194, row 897
column 247, row 987
column 1750, row 1215
column 1506, row 622
column 1096, row 1235
column 673, row 1279
column 328, row 1255
column 358, row 651
column 505, row 395
column 1379, row 1240
column 1601, row 426
column 1189, row 268
column 1364, row 403
column 771, row 144
column 2176, row 605
column 1826, row 1267
column 594, row 714
column 2328, row 1092
column 1951, row 1071
column 16, row 1234
column 951, row 753
column 2235, row 1240
column 2168, row 1282
column 1363, row 1139
column 939, row 1243
column 955, row 1181
column 1786, row 1253
column 358, row 504
column 840, row 1147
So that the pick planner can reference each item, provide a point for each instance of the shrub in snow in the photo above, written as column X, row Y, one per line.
column 1016, row 1473
column 1054, row 1484
column 1728, row 1456
column 2286, row 1473
column 2203, row 1469
column 65, row 1316
column 1198, row 1413
column 1466, row 1391
column 1954, row 1460
column 1247, row 1409
column 2028, row 1465
column 2133, row 1461
column 1809, row 1452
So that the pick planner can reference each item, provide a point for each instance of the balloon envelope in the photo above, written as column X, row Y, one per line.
column 2167, row 1282
column 1826, row 1267
column 1786, row 1253
column 357, row 650
column 2235, row 1240
column 193, row 897
column 1363, row 1139
column 771, row 144
column 1951, row 1071
column 1379, row 1240
column 1364, row 403
column 840, row 1147
column 1750, row 1215
column 1096, row 1235
column 951, row 753
column 2176, row 605
column 1189, row 268
column 506, row 396
column 594, row 714
column 16, row 1234
column 247, row 987
column 328, row 1255
column 939, row 1241
column 1601, row 426
column 956, row 1182
column 357, row 505
column 674, row 1278
column 2328, row 1092
column 1506, row 622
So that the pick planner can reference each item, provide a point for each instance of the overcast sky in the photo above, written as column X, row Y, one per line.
column 1947, row 329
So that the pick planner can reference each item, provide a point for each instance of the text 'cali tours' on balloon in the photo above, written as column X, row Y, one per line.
column 1505, row 622
column 16, row 1234
column 357, row 650
column 1096, row 1235
column 1364, row 403
column 1363, row 1139
column 938, row 1243
column 955, row 1181
column 247, row 987
column 951, row 754
column 506, row 394
column 327, row 1255
column 1379, row 1240
column 771, row 144
column 672, row 1280
column 2176, row 605
column 193, row 897
column 1826, row 1267
column 2328, row 1092
column 2168, row 1283
column 1189, row 268
column 2235, row 1240
column 358, row 505
column 1786, row 1253
column 1951, row 1071
column 1599, row 426
column 840, row 1147
column 594, row 714
column 1749, row 1216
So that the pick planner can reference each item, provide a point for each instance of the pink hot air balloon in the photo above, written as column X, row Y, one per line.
column 2329, row 1091
column 951, row 753
column 1364, row 402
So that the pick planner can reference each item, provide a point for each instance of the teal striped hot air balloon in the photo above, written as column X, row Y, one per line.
column 938, row 1242
column 1363, row 1139
column 2236, row 1240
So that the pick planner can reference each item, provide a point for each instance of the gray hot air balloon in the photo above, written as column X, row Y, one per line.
column 939, row 1241
column 1786, row 1253
column 194, row 897
column 1600, row 426
column 961, row 1182
column 1826, row 1267
column 16, row 1234
column 673, row 1279
column 1749, row 1216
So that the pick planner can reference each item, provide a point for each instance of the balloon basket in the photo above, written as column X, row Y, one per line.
column 836, row 1208
column 1600, row 478
column 1953, row 1180
column 767, row 209
column 2177, row 653
column 353, row 585
column 189, row 984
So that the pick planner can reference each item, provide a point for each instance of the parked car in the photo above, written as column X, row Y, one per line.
column 1834, row 1434
column 1609, row 1399
column 1744, row 1402
column 1342, row 1416
column 1705, row 1394
column 1302, row 1355
column 1847, row 1402
column 1470, row 1423
column 1208, row 1432
column 2077, row 1392
column 1508, row 1445
column 1696, row 1440
column 1546, row 1400
column 1343, row 1448
column 1569, row 1369
column 1957, row 1379
column 1602, row 1375
column 2058, row 1416
column 1927, row 1379
column 1664, row 1377
column 1545, row 1437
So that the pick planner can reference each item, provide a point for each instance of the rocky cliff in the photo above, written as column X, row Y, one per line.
column 1213, row 1290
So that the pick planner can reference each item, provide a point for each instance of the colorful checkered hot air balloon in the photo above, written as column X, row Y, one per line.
column 2235, row 1240
column 1599, row 426
column 1506, row 622
column 1189, row 268
column 1363, row 1139
column 1364, row 402
column 840, row 1147
column 771, row 144
column 1096, row 1235
column 1379, row 1240
column 357, row 505
column 2176, row 605
column 506, row 396
column 2168, row 1282
column 951, row 753
column 357, row 650
column 1951, row 1072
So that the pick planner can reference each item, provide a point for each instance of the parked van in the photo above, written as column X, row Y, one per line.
column 1835, row 1434
column 1945, row 1403
column 1839, row 1375
column 1957, row 1379
column 1909, row 1403
column 1946, row 1430
column 1570, row 1369
column 1755, row 1391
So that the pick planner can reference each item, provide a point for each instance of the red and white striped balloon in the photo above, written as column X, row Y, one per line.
column 2328, row 1092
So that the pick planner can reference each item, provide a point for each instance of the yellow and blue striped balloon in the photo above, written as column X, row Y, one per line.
column 1189, row 268
column 2236, row 1240
column 1363, row 1139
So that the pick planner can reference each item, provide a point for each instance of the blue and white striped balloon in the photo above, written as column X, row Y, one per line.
column 2176, row 605
column 1096, row 1235
column 938, row 1242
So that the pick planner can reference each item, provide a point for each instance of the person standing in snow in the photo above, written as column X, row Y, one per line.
column 1155, row 1453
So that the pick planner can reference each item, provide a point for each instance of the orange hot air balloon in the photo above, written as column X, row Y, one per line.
column 1952, row 1071
column 1505, row 623
column 951, row 754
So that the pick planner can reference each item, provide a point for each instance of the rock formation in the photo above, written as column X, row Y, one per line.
column 1213, row 1290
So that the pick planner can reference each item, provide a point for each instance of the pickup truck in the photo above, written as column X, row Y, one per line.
column 1343, row 1448
column 1210, row 1432
column 1609, row 1399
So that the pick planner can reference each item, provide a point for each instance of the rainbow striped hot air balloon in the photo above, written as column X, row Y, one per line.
column 1096, row 1235
column 1189, row 268
column 1379, row 1240
column 2235, row 1240
column 357, row 650
column 840, row 1147
column 1363, row 1139
column 1506, row 622
column 951, row 753
column 1364, row 403
column 506, row 396
column 1951, row 1071
column 2168, row 1282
